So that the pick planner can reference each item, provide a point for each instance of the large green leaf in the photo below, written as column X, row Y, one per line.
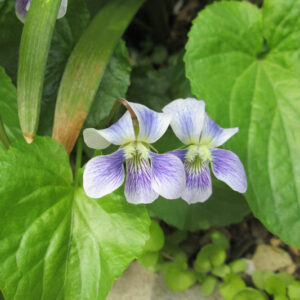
column 34, row 49
column 245, row 62
column 156, row 88
column 8, row 107
column 86, row 66
column 56, row 243
column 66, row 34
column 114, row 85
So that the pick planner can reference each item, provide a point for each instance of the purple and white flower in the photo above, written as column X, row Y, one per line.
column 148, row 174
column 202, row 136
column 22, row 7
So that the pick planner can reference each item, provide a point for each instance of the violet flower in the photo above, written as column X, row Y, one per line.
column 202, row 136
column 148, row 174
column 22, row 7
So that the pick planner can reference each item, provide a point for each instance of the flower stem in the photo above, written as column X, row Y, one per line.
column 3, row 136
column 113, row 111
column 78, row 159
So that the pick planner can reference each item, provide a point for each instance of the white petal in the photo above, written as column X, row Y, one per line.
column 168, row 175
column 119, row 133
column 152, row 125
column 213, row 134
column 63, row 9
column 227, row 167
column 138, row 187
column 198, row 184
column 187, row 118
column 104, row 174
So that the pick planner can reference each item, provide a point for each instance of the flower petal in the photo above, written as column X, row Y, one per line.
column 119, row 133
column 227, row 167
column 22, row 7
column 187, row 118
column 168, row 175
column 138, row 188
column 180, row 153
column 198, row 184
column 152, row 125
column 63, row 9
column 214, row 135
column 104, row 174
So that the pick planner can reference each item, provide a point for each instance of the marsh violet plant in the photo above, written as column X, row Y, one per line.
column 202, row 136
column 22, row 7
column 148, row 174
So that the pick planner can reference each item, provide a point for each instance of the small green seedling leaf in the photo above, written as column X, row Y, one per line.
column 259, row 278
column 208, row 285
column 286, row 278
column 157, row 238
column 238, row 266
column 250, row 294
column 181, row 259
column 294, row 290
column 221, row 271
column 149, row 260
column 281, row 298
column 231, row 286
column 219, row 239
column 275, row 286
column 177, row 279
column 176, row 237
column 202, row 264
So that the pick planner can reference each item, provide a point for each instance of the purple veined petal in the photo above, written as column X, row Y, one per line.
column 152, row 125
column 187, row 118
column 227, row 167
column 119, row 133
column 180, row 153
column 168, row 175
column 214, row 135
column 198, row 184
column 138, row 187
column 104, row 174
column 22, row 7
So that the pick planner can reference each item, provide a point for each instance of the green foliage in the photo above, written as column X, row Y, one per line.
column 10, row 35
column 8, row 108
column 208, row 285
column 66, row 34
column 231, row 286
column 274, row 286
column 87, row 64
column 245, row 62
column 218, row 238
column 250, row 294
column 34, row 48
column 114, row 85
column 57, row 242
column 177, row 278
column 149, row 260
column 214, row 254
column 157, row 238
column 294, row 290
column 238, row 266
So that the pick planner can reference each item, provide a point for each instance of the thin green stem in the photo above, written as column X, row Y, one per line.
column 78, row 159
column 3, row 135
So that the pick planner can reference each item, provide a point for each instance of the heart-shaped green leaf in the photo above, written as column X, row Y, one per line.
column 245, row 62
column 56, row 243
